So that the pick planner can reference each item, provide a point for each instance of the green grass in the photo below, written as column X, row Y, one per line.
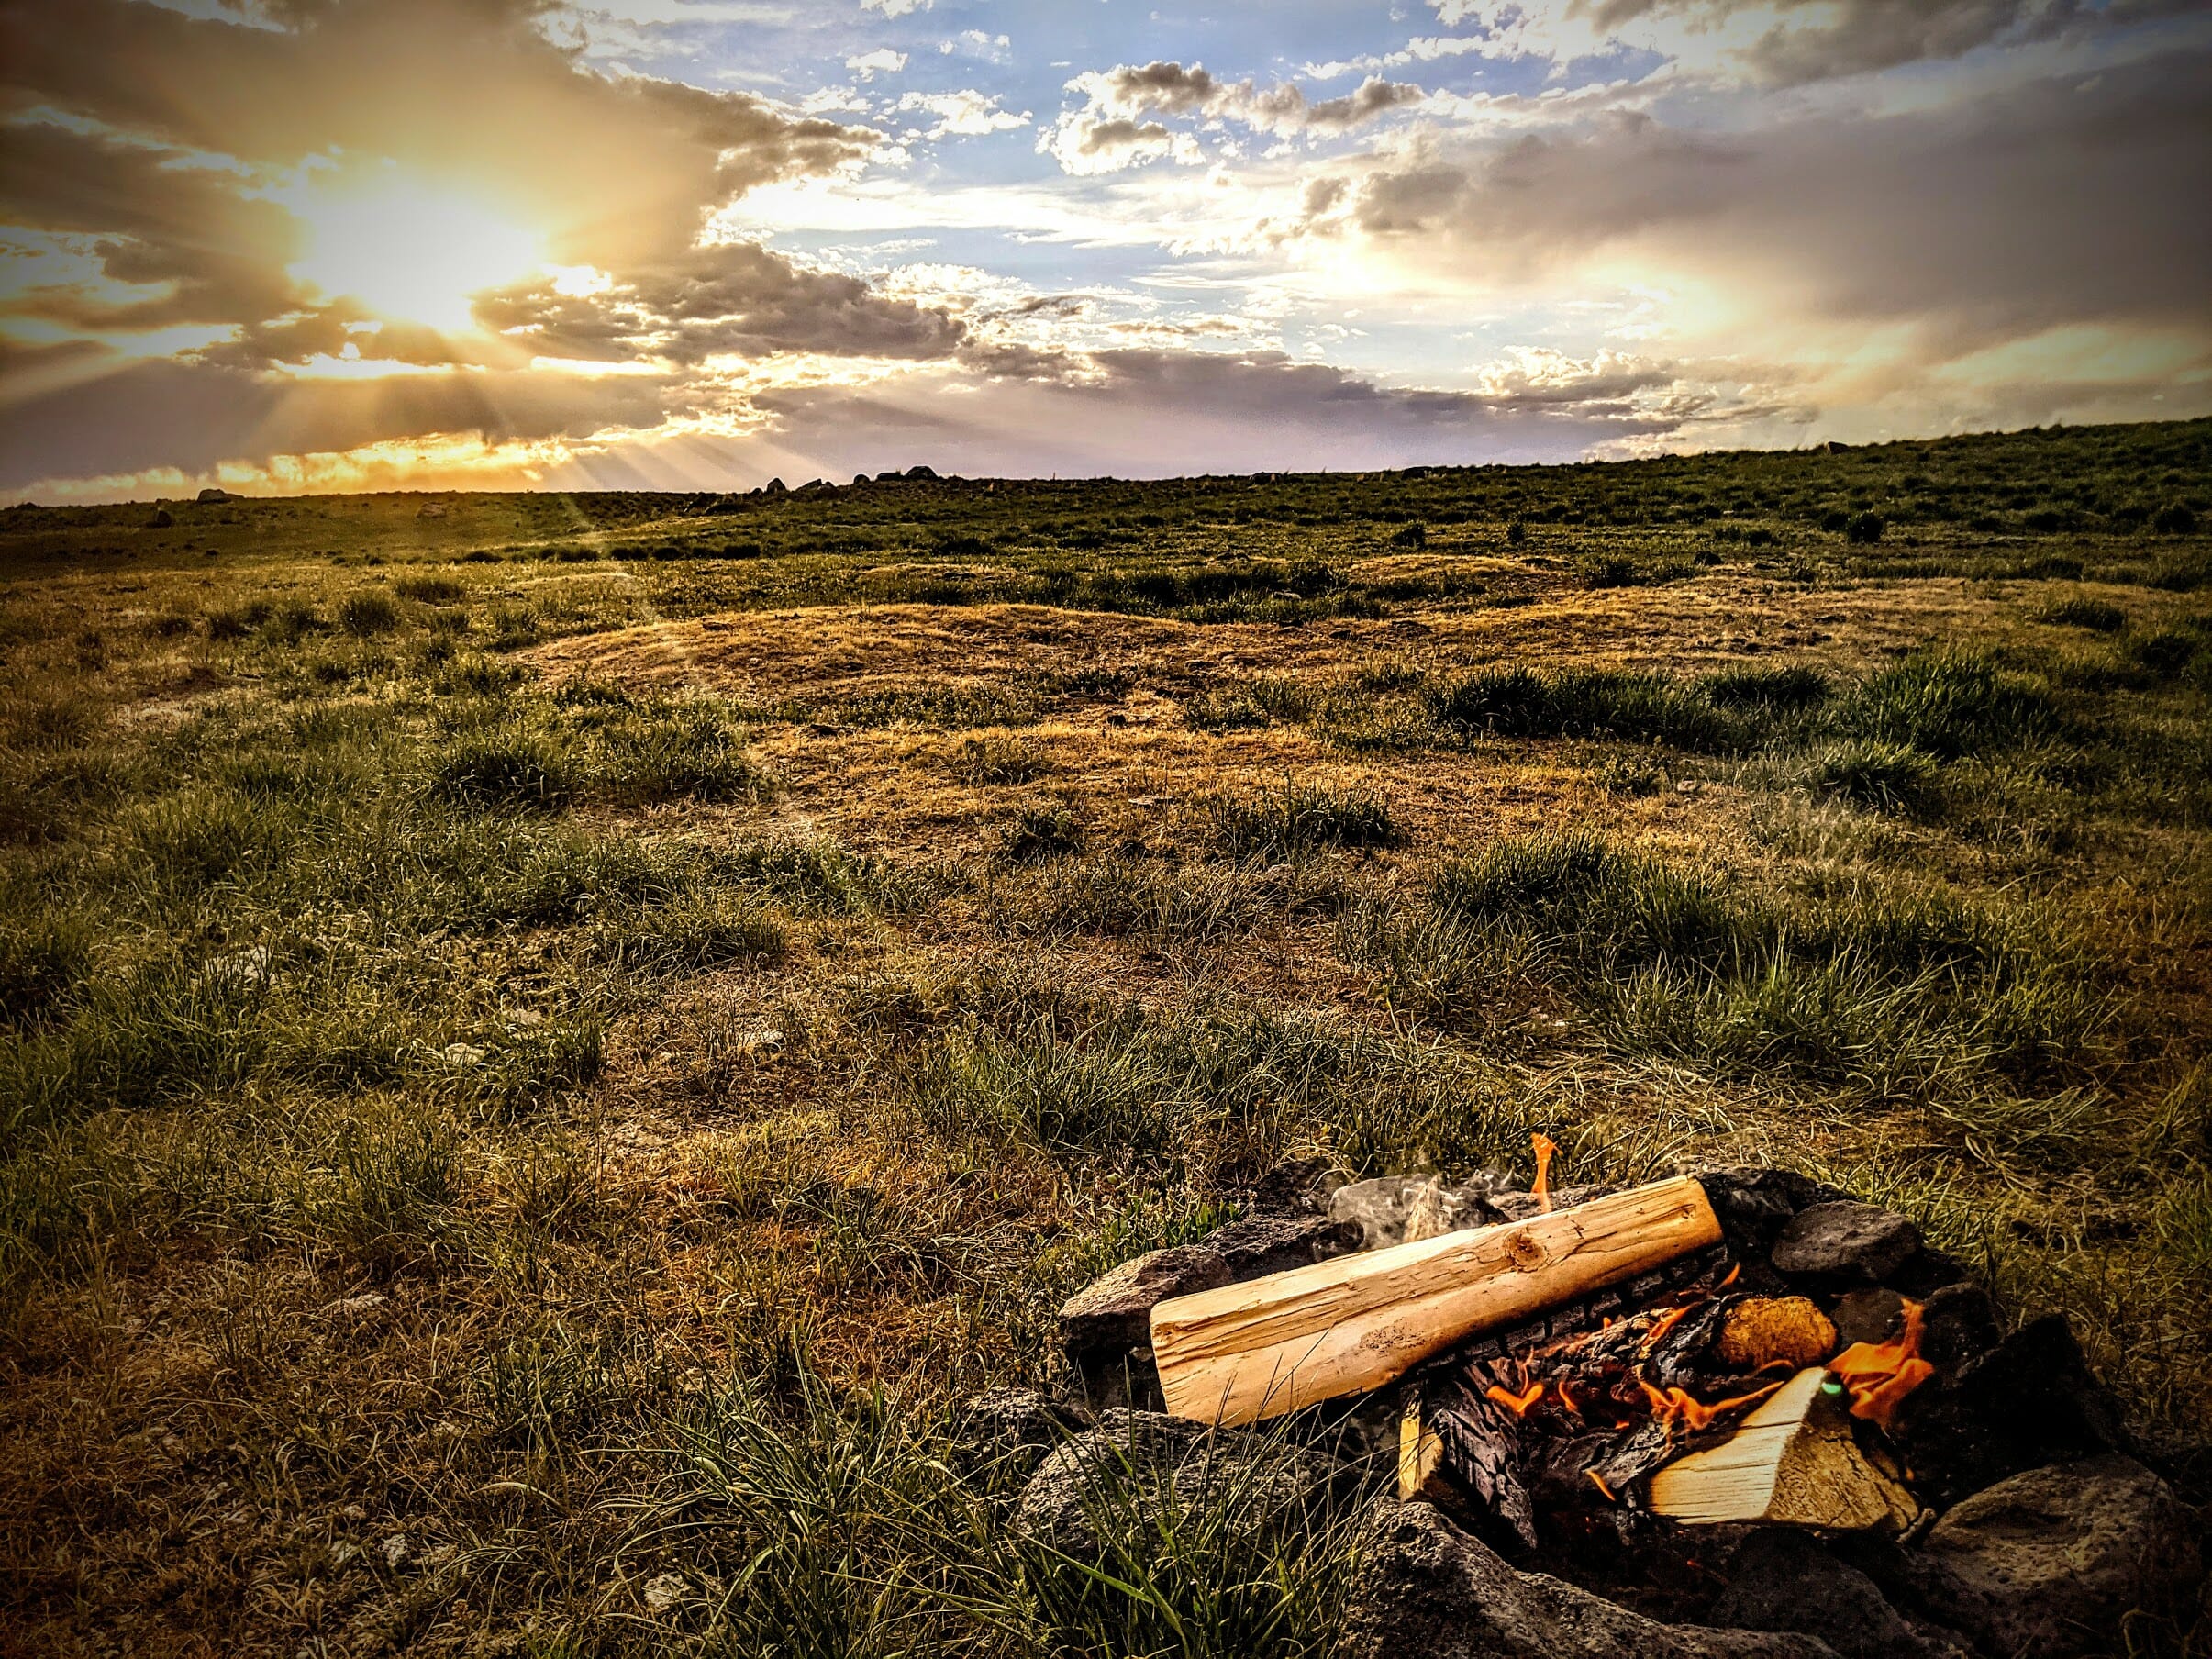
column 599, row 1130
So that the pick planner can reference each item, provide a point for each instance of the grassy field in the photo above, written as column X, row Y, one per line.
column 547, row 1040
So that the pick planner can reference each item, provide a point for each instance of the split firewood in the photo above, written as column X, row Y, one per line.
column 1245, row 1351
column 1794, row 1462
column 1456, row 1449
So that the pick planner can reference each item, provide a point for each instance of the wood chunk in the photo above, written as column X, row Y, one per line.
column 1793, row 1462
column 1766, row 1331
column 1420, row 1455
column 1258, row 1349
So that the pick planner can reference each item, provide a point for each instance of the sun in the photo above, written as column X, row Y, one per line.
column 411, row 252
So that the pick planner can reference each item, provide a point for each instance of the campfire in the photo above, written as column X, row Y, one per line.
column 1700, row 1398
column 1559, row 1369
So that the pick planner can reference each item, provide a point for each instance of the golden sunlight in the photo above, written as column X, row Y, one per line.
column 411, row 252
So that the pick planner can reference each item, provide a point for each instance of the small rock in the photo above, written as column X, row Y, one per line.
column 1429, row 1590
column 2029, row 1401
column 462, row 1053
column 2044, row 1565
column 1296, row 1186
column 1520, row 1206
column 395, row 1550
column 1844, row 1240
column 1869, row 1316
column 1957, row 1325
column 1008, row 1431
column 1136, row 1465
column 354, row 1512
column 1785, row 1581
column 1754, row 1204
column 1116, row 1310
column 664, row 1592
column 1258, row 1246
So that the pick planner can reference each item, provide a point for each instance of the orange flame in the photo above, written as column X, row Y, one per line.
column 1517, row 1404
column 1666, row 1322
column 1568, row 1400
column 1598, row 1480
column 1675, row 1408
column 1880, row 1375
column 1542, row 1191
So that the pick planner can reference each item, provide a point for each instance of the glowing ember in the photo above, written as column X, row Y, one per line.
column 1880, row 1375
column 1542, row 1191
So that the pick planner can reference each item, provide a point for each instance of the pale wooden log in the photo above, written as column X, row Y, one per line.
column 1420, row 1455
column 1255, row 1349
column 1794, row 1462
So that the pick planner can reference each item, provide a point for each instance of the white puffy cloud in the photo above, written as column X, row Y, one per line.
column 962, row 113
column 1117, row 124
column 867, row 65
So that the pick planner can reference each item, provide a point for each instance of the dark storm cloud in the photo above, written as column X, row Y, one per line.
column 1809, row 40
column 731, row 298
column 157, row 414
column 2061, row 201
column 155, row 218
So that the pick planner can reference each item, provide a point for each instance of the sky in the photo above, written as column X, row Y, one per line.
column 282, row 246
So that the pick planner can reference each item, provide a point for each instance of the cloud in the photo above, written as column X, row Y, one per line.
column 1110, row 129
column 614, row 167
column 193, row 418
column 883, row 59
column 734, row 297
column 2045, row 204
column 1775, row 43
column 962, row 114
column 896, row 8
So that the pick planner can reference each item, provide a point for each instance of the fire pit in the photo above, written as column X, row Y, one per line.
column 1736, row 1398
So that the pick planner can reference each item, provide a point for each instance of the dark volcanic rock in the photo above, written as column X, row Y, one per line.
column 1136, row 1468
column 1426, row 1590
column 1957, row 1327
column 2044, row 1565
column 1869, row 1316
column 1520, row 1206
column 1116, row 1310
column 1296, row 1186
column 1845, row 1242
column 1259, row 1245
column 1785, row 1581
column 1009, row 1430
column 1754, row 1205
column 2026, row 1402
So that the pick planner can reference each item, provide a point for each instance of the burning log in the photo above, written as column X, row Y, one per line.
column 1456, row 1448
column 1794, row 1462
column 1245, row 1351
